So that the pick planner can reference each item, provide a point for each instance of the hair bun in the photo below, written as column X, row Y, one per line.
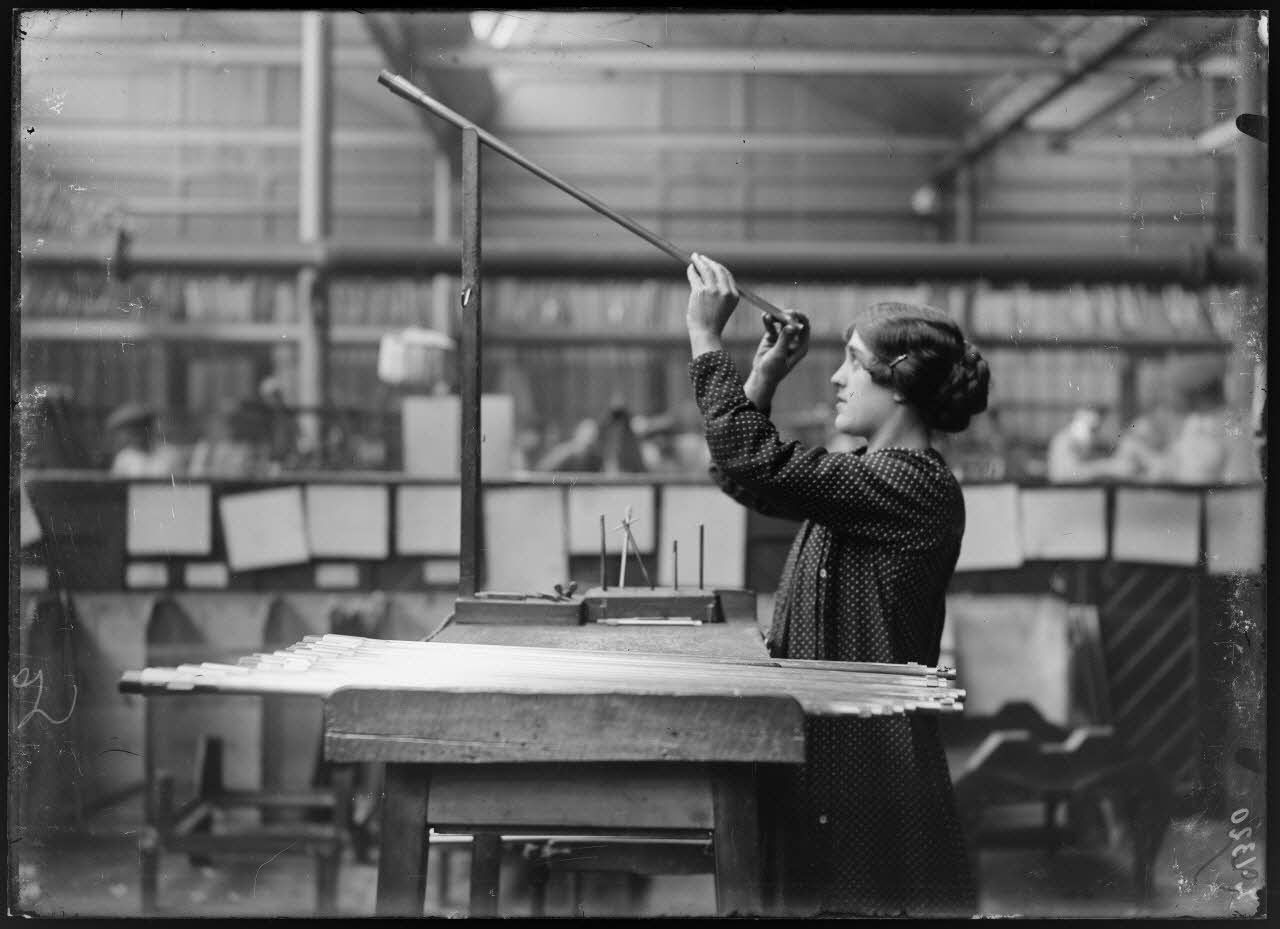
column 963, row 395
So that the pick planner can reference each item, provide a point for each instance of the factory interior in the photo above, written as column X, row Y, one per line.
column 366, row 331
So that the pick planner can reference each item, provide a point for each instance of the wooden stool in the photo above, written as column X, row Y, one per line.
column 202, row 829
column 311, row 820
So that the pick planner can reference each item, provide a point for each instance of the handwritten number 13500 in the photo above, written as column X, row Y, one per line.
column 1244, row 848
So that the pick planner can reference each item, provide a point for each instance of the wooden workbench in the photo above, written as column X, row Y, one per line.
column 661, row 764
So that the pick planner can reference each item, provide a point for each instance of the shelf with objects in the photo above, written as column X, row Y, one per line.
column 1111, row 342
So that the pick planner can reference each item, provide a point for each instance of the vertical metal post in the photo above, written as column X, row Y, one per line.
column 469, row 368
column 1251, row 155
column 314, row 189
column 442, row 232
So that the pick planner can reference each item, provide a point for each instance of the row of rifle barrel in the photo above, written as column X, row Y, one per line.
column 319, row 665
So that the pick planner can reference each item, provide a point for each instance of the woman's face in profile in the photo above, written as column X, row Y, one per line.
column 862, row 405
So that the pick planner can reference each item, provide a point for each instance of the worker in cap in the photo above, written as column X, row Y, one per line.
column 131, row 433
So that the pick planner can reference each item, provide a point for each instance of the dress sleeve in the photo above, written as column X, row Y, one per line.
column 763, row 505
column 893, row 497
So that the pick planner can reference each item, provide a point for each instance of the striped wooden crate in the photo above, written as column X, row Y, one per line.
column 1150, row 621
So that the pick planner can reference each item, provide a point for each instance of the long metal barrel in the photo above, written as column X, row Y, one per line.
column 408, row 91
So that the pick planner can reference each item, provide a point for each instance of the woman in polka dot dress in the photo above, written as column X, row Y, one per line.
column 868, row 824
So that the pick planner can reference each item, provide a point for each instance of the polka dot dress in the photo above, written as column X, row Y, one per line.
column 868, row 825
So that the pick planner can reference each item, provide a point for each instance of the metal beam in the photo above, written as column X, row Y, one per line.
column 391, row 175
column 213, row 53
column 1009, row 90
column 1140, row 146
column 741, row 141
column 46, row 329
column 798, row 61
column 237, row 136
column 974, row 150
column 405, row 208
column 819, row 143
column 1189, row 65
column 783, row 262
column 590, row 58
column 249, row 136
column 412, row 140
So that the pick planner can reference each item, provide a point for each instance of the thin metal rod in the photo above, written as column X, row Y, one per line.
column 622, row 561
column 701, row 550
column 408, row 91
column 340, row 645
column 534, row 671
column 445, row 666
column 644, row 572
column 469, row 374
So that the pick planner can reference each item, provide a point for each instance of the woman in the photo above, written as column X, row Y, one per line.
column 868, row 825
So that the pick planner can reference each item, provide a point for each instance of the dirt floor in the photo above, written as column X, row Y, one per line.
column 96, row 874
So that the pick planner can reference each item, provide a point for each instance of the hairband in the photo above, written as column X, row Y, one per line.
column 895, row 361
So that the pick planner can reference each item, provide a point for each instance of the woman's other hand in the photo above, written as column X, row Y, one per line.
column 782, row 346
column 780, row 350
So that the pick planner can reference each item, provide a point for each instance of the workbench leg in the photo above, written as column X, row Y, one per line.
column 736, row 841
column 486, row 868
column 402, row 858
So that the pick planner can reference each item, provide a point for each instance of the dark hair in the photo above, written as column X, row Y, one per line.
column 921, row 353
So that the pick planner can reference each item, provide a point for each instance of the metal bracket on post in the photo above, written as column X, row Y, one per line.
column 469, row 369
